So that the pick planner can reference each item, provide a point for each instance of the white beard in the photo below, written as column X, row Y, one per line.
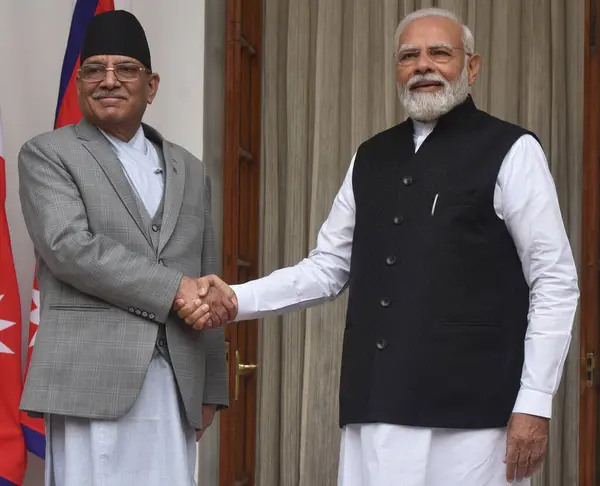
column 427, row 107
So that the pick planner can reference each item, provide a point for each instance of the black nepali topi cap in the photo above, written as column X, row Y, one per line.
column 117, row 32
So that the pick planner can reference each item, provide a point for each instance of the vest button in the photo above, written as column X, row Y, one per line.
column 381, row 344
column 154, row 228
column 391, row 260
column 398, row 220
column 385, row 302
column 161, row 262
column 407, row 181
column 161, row 343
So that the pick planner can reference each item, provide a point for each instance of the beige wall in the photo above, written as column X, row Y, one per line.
column 33, row 36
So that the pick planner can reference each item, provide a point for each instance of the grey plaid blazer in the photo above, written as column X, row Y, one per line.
column 103, row 287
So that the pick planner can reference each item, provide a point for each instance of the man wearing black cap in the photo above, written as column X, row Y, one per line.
column 120, row 221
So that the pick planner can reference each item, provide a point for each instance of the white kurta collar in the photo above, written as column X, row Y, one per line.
column 142, row 167
column 138, row 142
column 422, row 131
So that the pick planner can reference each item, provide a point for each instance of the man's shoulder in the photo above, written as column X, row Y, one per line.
column 388, row 135
column 179, row 150
column 515, row 130
column 180, row 153
column 54, row 138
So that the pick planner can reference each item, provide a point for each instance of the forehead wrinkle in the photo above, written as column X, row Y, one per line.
column 441, row 44
column 435, row 44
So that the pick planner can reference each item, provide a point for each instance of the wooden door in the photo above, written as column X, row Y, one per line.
column 589, row 425
column 241, row 231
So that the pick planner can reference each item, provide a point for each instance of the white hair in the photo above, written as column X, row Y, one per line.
column 467, row 36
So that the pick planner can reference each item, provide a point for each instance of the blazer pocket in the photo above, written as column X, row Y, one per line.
column 78, row 307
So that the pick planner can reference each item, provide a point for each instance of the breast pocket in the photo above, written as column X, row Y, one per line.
column 452, row 207
column 452, row 218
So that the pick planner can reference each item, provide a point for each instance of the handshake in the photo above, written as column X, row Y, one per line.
column 205, row 302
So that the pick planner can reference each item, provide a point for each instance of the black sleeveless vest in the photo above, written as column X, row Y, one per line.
column 438, row 303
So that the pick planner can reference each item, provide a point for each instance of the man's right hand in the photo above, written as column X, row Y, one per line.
column 206, row 301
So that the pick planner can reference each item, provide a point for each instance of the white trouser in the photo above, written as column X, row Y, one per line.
column 152, row 445
column 392, row 455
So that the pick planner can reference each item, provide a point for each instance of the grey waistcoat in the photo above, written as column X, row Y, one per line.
column 152, row 226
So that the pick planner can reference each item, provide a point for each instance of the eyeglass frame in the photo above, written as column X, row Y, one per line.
column 438, row 46
column 114, row 70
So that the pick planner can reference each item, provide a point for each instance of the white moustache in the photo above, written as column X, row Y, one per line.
column 427, row 78
column 99, row 95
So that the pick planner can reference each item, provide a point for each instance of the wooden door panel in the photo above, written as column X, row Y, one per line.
column 240, row 231
column 590, row 255
column 246, row 100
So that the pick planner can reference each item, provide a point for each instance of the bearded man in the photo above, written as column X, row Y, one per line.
column 462, row 286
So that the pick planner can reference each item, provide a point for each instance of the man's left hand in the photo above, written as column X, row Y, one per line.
column 208, row 414
column 526, row 443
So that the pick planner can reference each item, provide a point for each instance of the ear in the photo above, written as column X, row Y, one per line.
column 473, row 66
column 78, row 85
column 153, row 82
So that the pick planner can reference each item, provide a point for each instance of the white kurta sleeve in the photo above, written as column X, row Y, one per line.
column 320, row 277
column 526, row 199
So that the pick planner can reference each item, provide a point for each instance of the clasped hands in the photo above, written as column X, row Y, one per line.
column 205, row 302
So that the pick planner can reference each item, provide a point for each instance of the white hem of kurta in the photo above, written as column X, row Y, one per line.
column 393, row 455
column 152, row 445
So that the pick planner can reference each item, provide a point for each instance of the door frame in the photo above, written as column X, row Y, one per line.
column 590, row 243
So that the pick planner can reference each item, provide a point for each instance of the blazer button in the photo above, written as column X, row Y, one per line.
column 407, row 181
column 391, row 260
column 154, row 228
column 161, row 262
column 138, row 312
column 144, row 314
column 151, row 316
column 131, row 309
column 398, row 220
column 381, row 344
column 385, row 302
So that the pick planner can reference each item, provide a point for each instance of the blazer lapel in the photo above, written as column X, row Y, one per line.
column 100, row 149
column 174, row 186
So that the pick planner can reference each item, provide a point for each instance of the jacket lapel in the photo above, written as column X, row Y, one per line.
column 100, row 149
column 174, row 187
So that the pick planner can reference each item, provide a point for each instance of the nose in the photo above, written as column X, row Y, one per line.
column 110, row 81
column 423, row 64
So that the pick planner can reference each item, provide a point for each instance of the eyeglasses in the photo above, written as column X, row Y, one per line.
column 125, row 72
column 438, row 54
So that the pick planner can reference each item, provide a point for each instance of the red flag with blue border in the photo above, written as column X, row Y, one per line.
column 67, row 113
column 13, row 456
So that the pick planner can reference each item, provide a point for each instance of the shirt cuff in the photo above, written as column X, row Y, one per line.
column 245, row 298
column 534, row 402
